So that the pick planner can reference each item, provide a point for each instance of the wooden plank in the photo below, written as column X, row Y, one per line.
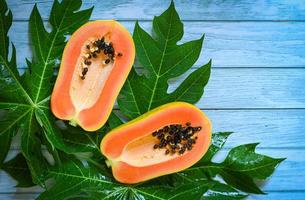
column 234, row 44
column 189, row 10
column 285, row 178
column 273, row 129
column 19, row 196
column 250, row 88
column 278, row 196
column 253, row 88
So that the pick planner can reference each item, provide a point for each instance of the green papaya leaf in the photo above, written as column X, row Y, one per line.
column 74, row 179
column 240, row 169
column 162, row 59
column 5, row 143
column 220, row 191
column 244, row 158
column 25, row 98
column 14, row 100
column 218, row 140
column 18, row 169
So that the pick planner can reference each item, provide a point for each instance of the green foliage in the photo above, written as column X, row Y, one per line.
column 25, row 98
column 18, row 169
column 9, row 83
column 79, row 170
column 162, row 59
column 239, row 170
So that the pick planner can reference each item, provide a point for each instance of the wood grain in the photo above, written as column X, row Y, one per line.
column 228, row 44
column 251, row 88
column 189, row 10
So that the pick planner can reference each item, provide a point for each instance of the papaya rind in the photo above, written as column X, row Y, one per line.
column 73, row 115
column 116, row 163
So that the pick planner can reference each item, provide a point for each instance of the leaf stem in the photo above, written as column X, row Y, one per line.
column 73, row 122
column 108, row 163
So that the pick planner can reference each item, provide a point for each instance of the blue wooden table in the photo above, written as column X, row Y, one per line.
column 257, row 82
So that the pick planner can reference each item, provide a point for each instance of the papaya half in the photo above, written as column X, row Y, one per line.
column 95, row 64
column 165, row 140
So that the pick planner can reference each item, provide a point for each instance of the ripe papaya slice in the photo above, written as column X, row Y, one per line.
column 165, row 140
column 95, row 64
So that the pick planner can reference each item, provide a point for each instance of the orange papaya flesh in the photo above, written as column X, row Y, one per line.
column 165, row 140
column 95, row 64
